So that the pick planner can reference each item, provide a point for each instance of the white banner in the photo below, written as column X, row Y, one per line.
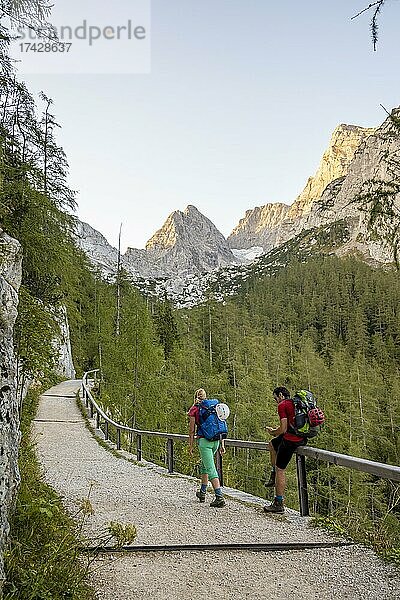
column 86, row 37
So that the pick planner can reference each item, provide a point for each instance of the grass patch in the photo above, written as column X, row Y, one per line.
column 382, row 537
column 42, row 561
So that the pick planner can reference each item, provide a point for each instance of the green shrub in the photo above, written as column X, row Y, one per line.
column 42, row 561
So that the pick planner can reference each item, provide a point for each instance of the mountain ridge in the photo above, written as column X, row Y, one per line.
column 260, row 225
column 188, row 248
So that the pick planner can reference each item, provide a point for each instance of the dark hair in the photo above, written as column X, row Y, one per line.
column 282, row 390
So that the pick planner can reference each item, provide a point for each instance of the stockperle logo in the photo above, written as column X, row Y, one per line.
column 86, row 38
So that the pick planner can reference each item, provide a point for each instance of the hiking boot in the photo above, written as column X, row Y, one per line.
column 276, row 507
column 201, row 496
column 218, row 502
column 271, row 480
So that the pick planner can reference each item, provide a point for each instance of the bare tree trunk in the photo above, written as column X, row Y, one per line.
column 350, row 443
column 3, row 118
column 117, row 324
column 46, row 141
column 234, row 433
column 330, row 504
column 348, row 492
column 291, row 350
column 136, row 372
column 210, row 335
column 360, row 402
column 21, row 131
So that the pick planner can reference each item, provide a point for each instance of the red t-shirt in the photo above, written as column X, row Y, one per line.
column 286, row 411
column 194, row 412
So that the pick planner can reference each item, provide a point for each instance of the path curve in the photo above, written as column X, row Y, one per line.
column 165, row 511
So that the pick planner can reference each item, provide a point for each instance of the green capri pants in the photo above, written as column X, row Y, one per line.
column 207, row 451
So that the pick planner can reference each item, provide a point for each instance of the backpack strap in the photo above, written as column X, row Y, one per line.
column 291, row 428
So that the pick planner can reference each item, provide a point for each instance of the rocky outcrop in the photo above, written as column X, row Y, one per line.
column 374, row 169
column 345, row 140
column 10, row 280
column 273, row 224
column 62, row 345
column 100, row 253
column 187, row 243
column 373, row 161
column 257, row 224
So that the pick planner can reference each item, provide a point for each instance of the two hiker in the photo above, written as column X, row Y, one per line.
column 299, row 418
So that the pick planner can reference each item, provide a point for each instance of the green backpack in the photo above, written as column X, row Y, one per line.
column 308, row 418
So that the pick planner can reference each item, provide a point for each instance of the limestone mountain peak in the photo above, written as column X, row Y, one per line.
column 187, row 242
column 273, row 224
column 345, row 141
column 184, row 227
column 188, row 247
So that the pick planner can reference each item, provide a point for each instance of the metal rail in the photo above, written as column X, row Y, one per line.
column 255, row 547
column 381, row 470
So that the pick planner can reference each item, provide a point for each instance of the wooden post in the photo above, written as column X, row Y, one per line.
column 170, row 455
column 139, row 447
column 118, row 439
column 218, row 460
column 302, row 485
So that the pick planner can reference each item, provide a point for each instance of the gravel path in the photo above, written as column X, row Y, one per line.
column 165, row 511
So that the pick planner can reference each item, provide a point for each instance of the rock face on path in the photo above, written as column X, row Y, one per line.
column 10, row 280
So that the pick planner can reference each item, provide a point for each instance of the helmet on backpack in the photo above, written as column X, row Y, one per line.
column 316, row 417
column 222, row 411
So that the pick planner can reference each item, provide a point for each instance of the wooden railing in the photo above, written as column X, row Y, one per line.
column 381, row 470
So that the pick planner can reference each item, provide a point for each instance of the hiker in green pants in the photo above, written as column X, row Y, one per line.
column 207, row 449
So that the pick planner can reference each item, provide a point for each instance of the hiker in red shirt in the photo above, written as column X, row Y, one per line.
column 281, row 447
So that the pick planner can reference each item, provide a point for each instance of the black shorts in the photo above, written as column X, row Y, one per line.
column 284, row 450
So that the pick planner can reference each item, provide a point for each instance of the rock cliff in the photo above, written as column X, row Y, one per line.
column 254, row 229
column 374, row 170
column 345, row 140
column 187, row 243
column 274, row 224
column 100, row 253
column 62, row 345
column 10, row 280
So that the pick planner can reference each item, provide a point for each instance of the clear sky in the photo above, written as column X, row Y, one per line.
column 236, row 112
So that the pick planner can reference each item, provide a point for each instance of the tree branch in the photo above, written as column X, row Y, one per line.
column 374, row 21
column 367, row 8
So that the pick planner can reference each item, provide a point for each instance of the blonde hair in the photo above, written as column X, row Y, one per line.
column 199, row 394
